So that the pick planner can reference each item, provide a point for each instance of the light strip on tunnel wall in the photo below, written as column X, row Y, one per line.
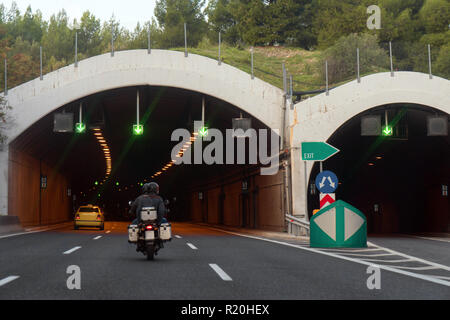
column 106, row 151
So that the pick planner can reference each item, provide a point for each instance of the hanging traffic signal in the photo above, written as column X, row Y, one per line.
column 203, row 131
column 138, row 129
column 80, row 127
column 388, row 131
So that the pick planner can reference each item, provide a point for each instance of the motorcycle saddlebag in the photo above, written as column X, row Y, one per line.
column 165, row 231
column 132, row 233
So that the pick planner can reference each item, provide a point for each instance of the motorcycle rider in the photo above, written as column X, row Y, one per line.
column 149, row 198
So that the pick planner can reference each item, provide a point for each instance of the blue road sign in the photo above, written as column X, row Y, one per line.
column 327, row 182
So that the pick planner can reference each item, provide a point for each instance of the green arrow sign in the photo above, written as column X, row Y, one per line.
column 203, row 131
column 80, row 127
column 388, row 130
column 317, row 151
column 138, row 130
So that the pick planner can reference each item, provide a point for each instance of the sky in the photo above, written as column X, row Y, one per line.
column 128, row 12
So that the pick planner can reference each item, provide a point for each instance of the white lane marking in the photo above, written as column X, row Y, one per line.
column 178, row 237
column 441, row 266
column 71, row 250
column 434, row 239
column 330, row 254
column 8, row 280
column 392, row 261
column 350, row 250
column 192, row 246
column 368, row 255
column 442, row 277
column 108, row 231
column 418, row 268
column 98, row 237
column 220, row 272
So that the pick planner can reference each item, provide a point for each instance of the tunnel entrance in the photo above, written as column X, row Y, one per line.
column 397, row 181
column 51, row 173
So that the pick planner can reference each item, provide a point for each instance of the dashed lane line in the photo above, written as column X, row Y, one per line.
column 8, row 280
column 98, row 237
column 71, row 250
column 190, row 245
column 222, row 274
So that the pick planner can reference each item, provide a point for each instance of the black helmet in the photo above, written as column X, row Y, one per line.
column 151, row 187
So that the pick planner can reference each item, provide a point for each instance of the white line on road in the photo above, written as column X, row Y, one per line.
column 441, row 266
column 387, row 268
column 8, row 280
column 192, row 246
column 178, row 237
column 71, row 250
column 368, row 255
column 98, row 237
column 417, row 268
column 434, row 239
column 389, row 261
column 220, row 272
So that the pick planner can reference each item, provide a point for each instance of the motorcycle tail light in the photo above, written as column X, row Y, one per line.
column 98, row 217
column 149, row 228
column 78, row 217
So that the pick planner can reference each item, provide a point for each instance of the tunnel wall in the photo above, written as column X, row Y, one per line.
column 35, row 206
column 224, row 203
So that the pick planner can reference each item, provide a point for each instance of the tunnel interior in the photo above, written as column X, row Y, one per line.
column 397, row 181
column 61, row 171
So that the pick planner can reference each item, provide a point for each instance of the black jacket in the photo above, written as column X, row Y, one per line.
column 148, row 200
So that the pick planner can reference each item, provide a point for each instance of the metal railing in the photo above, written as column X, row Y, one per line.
column 296, row 226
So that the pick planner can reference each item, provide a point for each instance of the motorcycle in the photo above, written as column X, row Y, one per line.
column 148, row 236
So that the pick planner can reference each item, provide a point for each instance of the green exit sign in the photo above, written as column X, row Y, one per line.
column 317, row 151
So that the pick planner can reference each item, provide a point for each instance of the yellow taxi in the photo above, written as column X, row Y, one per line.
column 89, row 216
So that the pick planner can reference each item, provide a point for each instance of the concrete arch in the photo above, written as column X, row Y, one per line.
column 317, row 118
column 35, row 99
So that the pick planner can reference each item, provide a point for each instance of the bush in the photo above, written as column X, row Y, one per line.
column 341, row 57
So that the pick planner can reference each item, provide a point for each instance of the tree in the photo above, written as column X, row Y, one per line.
column 341, row 57
column 171, row 16
column 59, row 40
column 89, row 39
